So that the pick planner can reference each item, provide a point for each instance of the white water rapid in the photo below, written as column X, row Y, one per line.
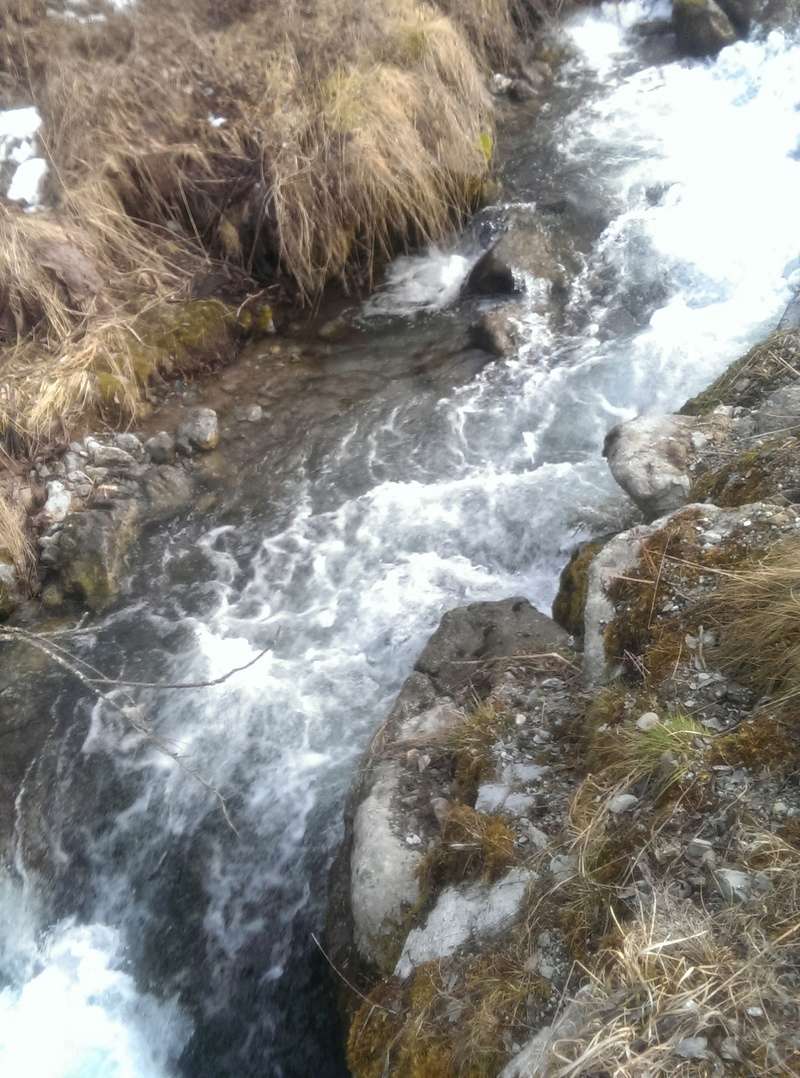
column 148, row 940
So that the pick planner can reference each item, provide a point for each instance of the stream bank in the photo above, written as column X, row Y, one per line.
column 542, row 813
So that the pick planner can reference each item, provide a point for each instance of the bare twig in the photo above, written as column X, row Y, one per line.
column 130, row 712
column 349, row 984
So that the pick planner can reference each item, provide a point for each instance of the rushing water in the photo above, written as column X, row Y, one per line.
column 140, row 937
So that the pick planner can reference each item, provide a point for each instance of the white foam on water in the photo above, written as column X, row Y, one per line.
column 72, row 1011
column 416, row 284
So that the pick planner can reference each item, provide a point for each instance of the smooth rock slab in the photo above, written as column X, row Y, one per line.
column 462, row 915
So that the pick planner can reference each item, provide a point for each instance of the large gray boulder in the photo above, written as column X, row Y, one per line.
column 701, row 27
column 653, row 458
column 486, row 631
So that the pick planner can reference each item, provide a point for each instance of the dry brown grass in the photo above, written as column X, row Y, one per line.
column 677, row 972
column 16, row 548
column 352, row 128
column 758, row 610
column 474, row 845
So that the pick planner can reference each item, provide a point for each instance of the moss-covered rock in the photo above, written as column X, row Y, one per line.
column 92, row 552
column 766, row 471
column 748, row 380
column 570, row 601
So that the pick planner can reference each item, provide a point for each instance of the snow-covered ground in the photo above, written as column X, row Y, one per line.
column 22, row 170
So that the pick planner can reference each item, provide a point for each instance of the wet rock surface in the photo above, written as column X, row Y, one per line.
column 701, row 27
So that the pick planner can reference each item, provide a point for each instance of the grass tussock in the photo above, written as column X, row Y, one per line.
column 16, row 548
column 452, row 1017
column 681, row 990
column 758, row 610
column 656, row 758
column 342, row 132
column 474, row 845
column 471, row 745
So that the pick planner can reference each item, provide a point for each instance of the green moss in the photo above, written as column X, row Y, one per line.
column 569, row 603
column 763, row 742
column 753, row 475
column 486, row 145
column 474, row 845
column 751, row 377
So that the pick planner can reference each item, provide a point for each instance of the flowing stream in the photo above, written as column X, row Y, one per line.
column 403, row 475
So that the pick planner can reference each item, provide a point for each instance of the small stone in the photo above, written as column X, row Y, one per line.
column 423, row 761
column 254, row 413
column 622, row 803
column 109, row 456
column 129, row 443
column 755, row 1012
column 734, row 885
column 700, row 852
column 200, row 430
column 729, row 1049
column 161, row 448
column 413, row 840
column 441, row 809
column 334, row 329
column 538, row 838
column 780, row 809
column 692, row 1048
column 52, row 597
column 563, row 865
column 648, row 721
column 500, row 84
column 58, row 504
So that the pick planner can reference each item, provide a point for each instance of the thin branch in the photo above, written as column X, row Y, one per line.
column 132, row 713
column 183, row 684
column 349, row 984
column 512, row 658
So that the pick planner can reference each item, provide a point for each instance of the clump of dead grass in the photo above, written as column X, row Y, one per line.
column 16, row 548
column 471, row 744
column 350, row 130
column 682, row 989
column 474, row 845
column 758, row 610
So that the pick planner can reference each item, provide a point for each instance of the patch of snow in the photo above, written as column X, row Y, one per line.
column 18, row 129
column 26, row 185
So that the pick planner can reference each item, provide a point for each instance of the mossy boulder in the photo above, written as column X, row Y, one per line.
column 752, row 377
column 764, row 472
column 92, row 552
column 569, row 603
column 701, row 27
column 647, row 586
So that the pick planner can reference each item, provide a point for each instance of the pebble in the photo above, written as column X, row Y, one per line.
column 700, row 852
column 648, row 721
column 59, row 502
column 692, row 1048
column 622, row 803
column 734, row 885
column 200, row 430
column 161, row 447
